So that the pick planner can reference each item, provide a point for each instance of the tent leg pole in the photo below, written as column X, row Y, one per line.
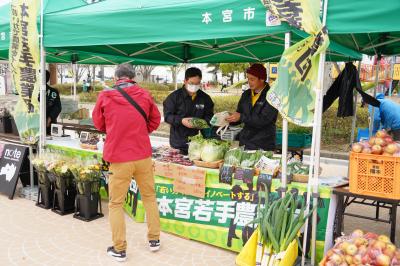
column 353, row 123
column 317, row 158
column 74, row 77
column 42, row 105
column 317, row 127
column 285, row 135
column 176, row 77
column 371, row 125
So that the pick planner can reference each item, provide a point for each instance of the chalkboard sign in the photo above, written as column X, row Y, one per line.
column 248, row 174
column 11, row 160
column 264, row 181
column 225, row 174
column 244, row 174
column 239, row 173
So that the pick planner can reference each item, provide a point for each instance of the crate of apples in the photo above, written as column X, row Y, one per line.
column 380, row 144
column 359, row 248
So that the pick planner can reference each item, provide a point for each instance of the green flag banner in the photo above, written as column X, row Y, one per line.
column 292, row 94
column 24, row 66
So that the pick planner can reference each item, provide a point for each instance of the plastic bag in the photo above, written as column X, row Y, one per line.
column 219, row 120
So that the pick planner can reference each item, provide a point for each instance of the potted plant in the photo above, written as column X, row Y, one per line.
column 64, row 192
column 87, row 203
column 46, row 188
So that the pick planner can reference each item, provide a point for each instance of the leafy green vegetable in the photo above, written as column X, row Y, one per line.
column 280, row 221
column 214, row 150
column 199, row 123
column 195, row 147
column 233, row 157
column 250, row 158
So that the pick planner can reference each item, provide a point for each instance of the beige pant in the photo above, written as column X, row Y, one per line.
column 120, row 178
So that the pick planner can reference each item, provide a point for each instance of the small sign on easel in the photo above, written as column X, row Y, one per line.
column 226, row 174
column 11, row 161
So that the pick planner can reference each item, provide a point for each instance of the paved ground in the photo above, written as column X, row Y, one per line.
column 30, row 236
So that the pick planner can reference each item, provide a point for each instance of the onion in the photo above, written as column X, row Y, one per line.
column 391, row 148
column 357, row 147
column 376, row 149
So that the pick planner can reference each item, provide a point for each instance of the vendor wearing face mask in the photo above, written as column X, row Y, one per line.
column 257, row 115
column 184, row 104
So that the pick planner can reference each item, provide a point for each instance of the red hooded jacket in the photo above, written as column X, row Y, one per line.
column 127, row 132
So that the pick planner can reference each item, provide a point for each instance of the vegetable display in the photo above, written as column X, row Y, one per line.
column 361, row 248
column 279, row 223
column 170, row 155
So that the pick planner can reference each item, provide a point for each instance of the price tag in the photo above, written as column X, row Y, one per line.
column 244, row 174
column 248, row 175
column 226, row 174
column 264, row 181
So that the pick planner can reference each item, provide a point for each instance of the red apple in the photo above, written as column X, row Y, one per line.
column 383, row 260
column 367, row 151
column 370, row 236
column 381, row 133
column 357, row 233
column 376, row 149
column 380, row 245
column 357, row 147
column 384, row 239
column 351, row 250
column 388, row 139
column 391, row 148
column 380, row 142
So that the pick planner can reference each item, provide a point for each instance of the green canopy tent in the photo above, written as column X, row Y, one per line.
column 176, row 31
column 63, row 55
column 368, row 27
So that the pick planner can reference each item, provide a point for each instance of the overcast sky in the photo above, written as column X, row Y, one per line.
column 2, row 2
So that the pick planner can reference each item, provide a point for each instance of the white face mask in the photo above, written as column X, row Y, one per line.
column 192, row 88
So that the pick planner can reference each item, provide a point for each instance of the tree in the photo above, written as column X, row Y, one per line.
column 175, row 71
column 60, row 72
column 80, row 70
column 214, row 70
column 146, row 72
column 230, row 69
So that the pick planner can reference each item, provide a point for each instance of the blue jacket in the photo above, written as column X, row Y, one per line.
column 377, row 115
column 390, row 114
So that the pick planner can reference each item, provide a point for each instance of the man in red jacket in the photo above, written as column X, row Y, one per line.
column 128, row 149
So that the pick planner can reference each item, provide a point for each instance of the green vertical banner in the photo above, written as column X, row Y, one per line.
column 24, row 66
column 292, row 94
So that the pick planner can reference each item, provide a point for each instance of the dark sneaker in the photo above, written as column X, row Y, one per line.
column 118, row 256
column 154, row 245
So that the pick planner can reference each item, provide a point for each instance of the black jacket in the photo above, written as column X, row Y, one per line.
column 343, row 88
column 259, row 122
column 53, row 103
column 179, row 105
